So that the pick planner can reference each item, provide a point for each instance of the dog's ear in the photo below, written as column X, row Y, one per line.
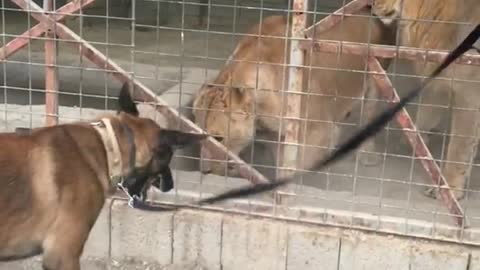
column 125, row 101
column 178, row 139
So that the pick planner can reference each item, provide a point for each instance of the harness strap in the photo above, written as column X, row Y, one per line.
column 112, row 147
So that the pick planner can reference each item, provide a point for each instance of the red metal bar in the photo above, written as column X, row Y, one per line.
column 295, row 83
column 21, row 41
column 72, row 7
column 383, row 51
column 247, row 171
column 334, row 18
column 38, row 30
column 146, row 95
column 51, row 79
column 51, row 83
column 34, row 10
column 388, row 92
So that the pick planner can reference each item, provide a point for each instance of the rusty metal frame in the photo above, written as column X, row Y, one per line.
column 38, row 30
column 383, row 51
column 51, row 78
column 291, row 116
column 336, row 17
column 52, row 22
column 46, row 29
column 389, row 93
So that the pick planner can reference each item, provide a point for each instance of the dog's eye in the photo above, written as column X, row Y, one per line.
column 218, row 138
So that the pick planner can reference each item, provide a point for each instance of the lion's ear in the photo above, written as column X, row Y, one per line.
column 236, row 91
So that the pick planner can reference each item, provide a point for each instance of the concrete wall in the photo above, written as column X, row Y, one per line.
column 124, row 238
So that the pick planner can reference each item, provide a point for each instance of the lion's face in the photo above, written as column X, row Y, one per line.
column 226, row 114
column 387, row 10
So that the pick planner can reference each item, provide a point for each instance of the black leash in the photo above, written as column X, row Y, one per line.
column 361, row 136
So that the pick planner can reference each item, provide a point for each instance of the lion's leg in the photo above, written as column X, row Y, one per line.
column 314, row 144
column 369, row 112
column 462, row 145
column 320, row 136
column 431, row 108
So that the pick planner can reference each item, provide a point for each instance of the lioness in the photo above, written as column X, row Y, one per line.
column 247, row 93
column 435, row 24
column 55, row 179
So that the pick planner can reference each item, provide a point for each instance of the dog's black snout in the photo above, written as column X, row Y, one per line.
column 218, row 138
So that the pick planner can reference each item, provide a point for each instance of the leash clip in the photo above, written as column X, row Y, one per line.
column 132, row 200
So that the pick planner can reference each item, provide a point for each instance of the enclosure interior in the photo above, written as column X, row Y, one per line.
column 167, row 49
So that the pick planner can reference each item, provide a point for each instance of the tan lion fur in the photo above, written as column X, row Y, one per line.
column 434, row 24
column 230, row 108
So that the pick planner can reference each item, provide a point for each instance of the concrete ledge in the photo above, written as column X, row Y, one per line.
column 141, row 236
column 201, row 239
column 308, row 248
column 252, row 243
column 198, row 239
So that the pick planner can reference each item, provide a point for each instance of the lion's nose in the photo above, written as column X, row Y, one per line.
column 218, row 138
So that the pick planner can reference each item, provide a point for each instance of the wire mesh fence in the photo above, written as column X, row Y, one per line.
column 278, row 84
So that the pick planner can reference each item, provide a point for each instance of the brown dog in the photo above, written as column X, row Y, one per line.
column 54, row 180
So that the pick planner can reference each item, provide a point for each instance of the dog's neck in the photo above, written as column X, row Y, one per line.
column 112, row 147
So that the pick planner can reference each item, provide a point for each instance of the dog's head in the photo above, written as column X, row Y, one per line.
column 146, row 148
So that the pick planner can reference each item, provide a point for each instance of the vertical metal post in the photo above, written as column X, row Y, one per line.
column 295, row 82
column 51, row 79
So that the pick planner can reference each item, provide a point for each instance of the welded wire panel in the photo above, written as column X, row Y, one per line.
column 230, row 69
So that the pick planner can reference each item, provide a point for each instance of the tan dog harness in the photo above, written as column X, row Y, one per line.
column 110, row 142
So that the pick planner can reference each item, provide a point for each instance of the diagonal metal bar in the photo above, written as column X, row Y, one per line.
column 387, row 90
column 21, row 41
column 70, row 8
column 36, row 31
column 34, row 10
column 145, row 94
column 247, row 171
column 336, row 17
column 389, row 93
